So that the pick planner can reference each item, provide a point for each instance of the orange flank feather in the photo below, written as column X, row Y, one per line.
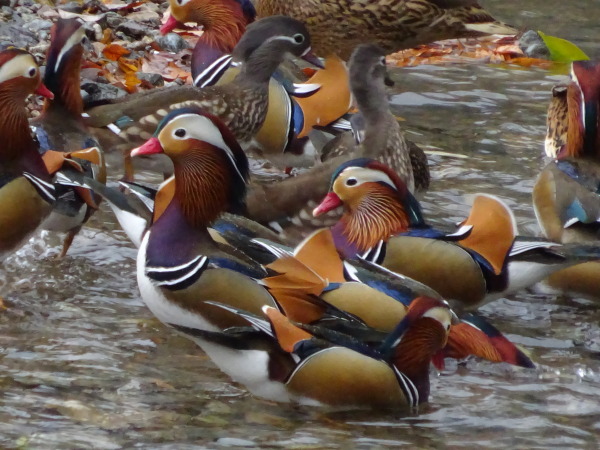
column 91, row 154
column 465, row 340
column 494, row 230
column 294, row 288
column 318, row 252
column 53, row 160
column 331, row 101
column 287, row 334
column 165, row 194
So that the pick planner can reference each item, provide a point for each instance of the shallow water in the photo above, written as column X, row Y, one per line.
column 83, row 364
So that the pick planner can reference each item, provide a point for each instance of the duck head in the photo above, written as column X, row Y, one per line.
column 368, row 79
column 377, row 203
column 19, row 78
column 417, row 338
column 210, row 168
column 583, row 99
column 266, row 44
column 223, row 21
column 63, row 64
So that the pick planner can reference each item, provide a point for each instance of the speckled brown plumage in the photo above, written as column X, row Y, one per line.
column 338, row 26
column 556, row 121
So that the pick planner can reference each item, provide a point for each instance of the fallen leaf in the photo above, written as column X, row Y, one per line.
column 115, row 51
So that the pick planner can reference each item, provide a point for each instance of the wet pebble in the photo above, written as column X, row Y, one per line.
column 172, row 42
column 133, row 29
column 38, row 25
column 155, row 79
column 235, row 442
column 100, row 91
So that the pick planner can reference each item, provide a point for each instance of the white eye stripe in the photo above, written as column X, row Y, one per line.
column 19, row 66
column 285, row 38
column 202, row 129
column 362, row 175
column 74, row 40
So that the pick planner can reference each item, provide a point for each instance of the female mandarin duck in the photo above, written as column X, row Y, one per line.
column 382, row 222
column 338, row 26
column 565, row 195
column 368, row 79
column 26, row 192
column 283, row 361
column 294, row 108
column 205, row 259
column 61, row 127
column 241, row 104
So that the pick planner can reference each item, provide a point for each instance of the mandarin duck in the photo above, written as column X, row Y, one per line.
column 294, row 108
column 309, row 285
column 566, row 199
column 241, row 104
column 484, row 260
column 26, row 190
column 337, row 27
column 280, row 360
column 61, row 126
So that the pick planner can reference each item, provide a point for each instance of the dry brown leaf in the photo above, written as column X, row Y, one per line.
column 115, row 51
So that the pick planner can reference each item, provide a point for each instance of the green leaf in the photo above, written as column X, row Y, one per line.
column 562, row 50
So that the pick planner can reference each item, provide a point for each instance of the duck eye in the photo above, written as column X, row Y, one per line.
column 351, row 182
column 32, row 72
column 298, row 38
column 180, row 133
column 382, row 61
column 179, row 2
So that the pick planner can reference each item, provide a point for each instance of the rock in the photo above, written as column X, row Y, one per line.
column 133, row 29
column 99, row 91
column 47, row 12
column 155, row 79
column 146, row 16
column 73, row 7
column 172, row 42
column 533, row 45
column 37, row 25
column 113, row 19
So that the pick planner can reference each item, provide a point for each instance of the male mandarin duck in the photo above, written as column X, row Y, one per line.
column 241, row 104
column 283, row 361
column 338, row 26
column 62, row 134
column 26, row 191
column 566, row 198
column 484, row 260
column 294, row 108
column 211, row 250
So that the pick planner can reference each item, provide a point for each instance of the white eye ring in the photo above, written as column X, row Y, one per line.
column 383, row 61
column 179, row 133
column 351, row 181
column 31, row 72
column 298, row 38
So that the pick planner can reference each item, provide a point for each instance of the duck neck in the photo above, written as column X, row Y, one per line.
column 64, row 83
column 205, row 187
column 413, row 354
column 371, row 99
column 224, row 24
column 18, row 145
column 260, row 66
column 376, row 217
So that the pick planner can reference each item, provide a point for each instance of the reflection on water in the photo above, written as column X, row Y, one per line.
column 83, row 363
